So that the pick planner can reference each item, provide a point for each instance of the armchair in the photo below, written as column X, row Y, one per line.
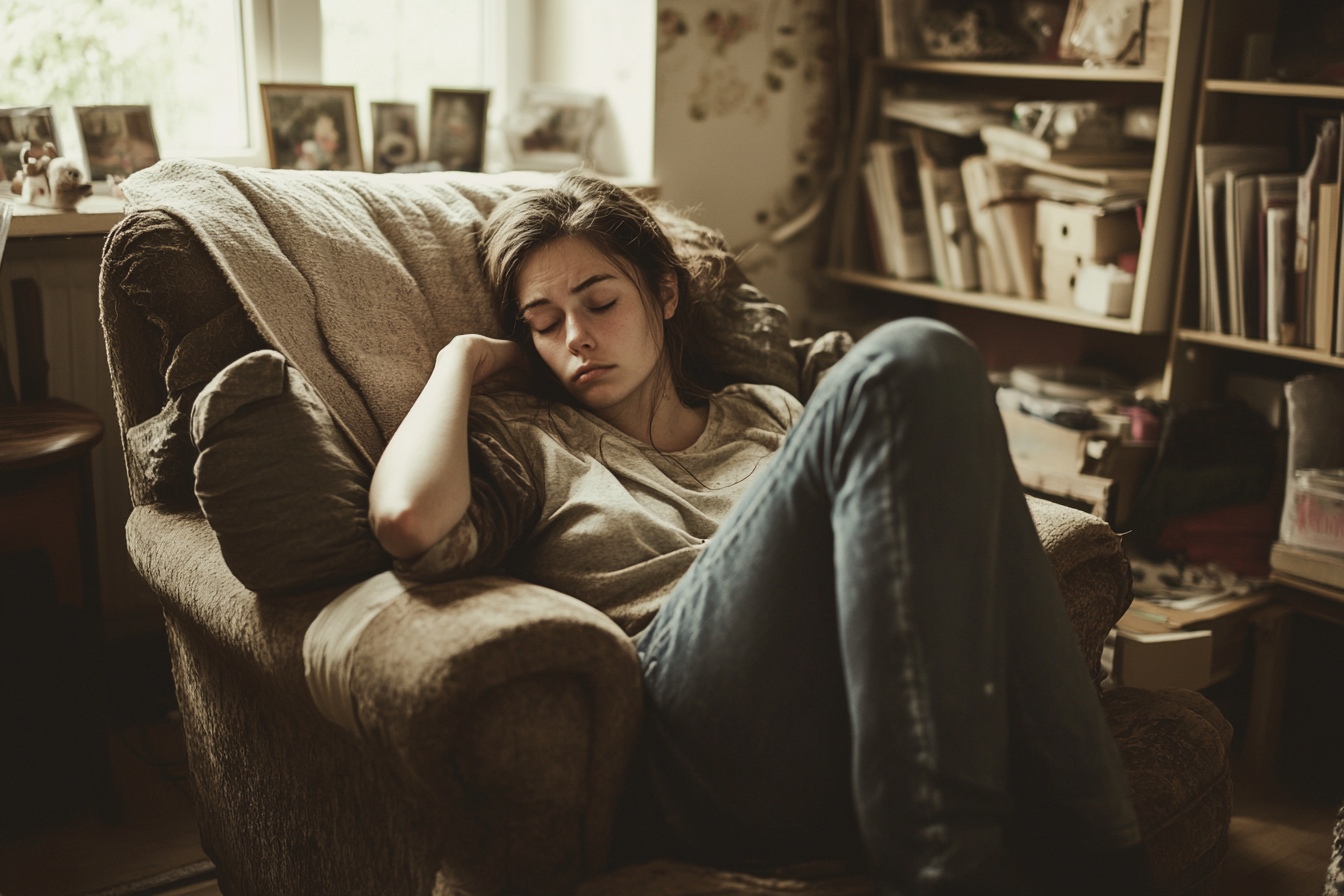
column 480, row 743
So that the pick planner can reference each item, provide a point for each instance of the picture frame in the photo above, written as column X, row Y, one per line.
column 553, row 128
column 20, row 124
column 118, row 140
column 1109, row 33
column 396, row 136
column 457, row 127
column 312, row 127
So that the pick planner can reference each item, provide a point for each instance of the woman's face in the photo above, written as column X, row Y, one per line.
column 590, row 324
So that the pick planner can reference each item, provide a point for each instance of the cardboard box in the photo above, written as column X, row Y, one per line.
column 1085, row 230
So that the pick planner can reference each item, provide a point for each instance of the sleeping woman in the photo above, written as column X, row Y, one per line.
column 853, row 644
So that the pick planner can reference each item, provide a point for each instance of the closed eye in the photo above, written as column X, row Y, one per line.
column 606, row 307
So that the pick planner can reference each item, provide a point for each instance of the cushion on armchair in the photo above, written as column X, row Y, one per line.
column 284, row 492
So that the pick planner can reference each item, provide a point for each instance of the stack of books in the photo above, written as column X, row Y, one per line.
column 1269, row 242
column 952, row 193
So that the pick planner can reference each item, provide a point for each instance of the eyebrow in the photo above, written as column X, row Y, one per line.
column 596, row 278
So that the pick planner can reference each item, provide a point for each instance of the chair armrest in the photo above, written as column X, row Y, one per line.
column 1093, row 573
column 515, row 702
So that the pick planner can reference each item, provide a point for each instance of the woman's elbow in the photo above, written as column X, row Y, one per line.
column 402, row 532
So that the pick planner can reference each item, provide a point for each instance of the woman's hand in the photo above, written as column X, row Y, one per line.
column 496, row 365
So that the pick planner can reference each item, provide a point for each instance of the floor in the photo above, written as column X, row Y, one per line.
column 1280, row 836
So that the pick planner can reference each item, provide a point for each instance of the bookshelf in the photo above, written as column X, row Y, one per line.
column 1168, row 81
column 1233, row 109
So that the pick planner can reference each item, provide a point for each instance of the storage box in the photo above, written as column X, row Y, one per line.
column 1059, row 275
column 1318, row 511
column 1181, row 659
column 1085, row 230
column 1227, row 622
column 1104, row 289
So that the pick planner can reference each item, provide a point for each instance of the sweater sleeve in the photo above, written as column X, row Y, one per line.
column 506, row 500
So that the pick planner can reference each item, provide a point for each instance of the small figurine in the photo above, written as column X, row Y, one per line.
column 49, row 180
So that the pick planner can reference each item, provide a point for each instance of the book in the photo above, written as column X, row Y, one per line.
column 959, row 116
column 1064, row 189
column 992, row 253
column 1013, row 141
column 1212, row 161
column 1214, row 248
column 1012, row 214
column 1272, row 191
column 1321, row 169
column 1304, row 563
column 1326, row 269
column 951, row 239
column 1131, row 179
column 892, row 183
column 1280, row 244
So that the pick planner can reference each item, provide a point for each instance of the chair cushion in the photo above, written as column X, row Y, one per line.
column 285, row 493
column 1173, row 744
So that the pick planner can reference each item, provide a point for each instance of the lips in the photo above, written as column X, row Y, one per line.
column 589, row 372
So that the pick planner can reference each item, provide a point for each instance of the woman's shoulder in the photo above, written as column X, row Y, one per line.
column 755, row 404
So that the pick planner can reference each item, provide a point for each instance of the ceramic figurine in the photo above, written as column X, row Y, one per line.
column 49, row 180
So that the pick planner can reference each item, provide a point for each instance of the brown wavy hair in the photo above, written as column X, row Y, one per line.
column 625, row 230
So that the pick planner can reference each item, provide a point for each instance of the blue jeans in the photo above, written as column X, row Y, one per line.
column 872, row 656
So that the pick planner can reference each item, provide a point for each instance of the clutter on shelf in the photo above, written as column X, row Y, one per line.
column 1038, row 199
column 1080, row 434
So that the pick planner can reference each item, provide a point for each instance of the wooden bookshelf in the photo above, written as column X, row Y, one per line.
column 1169, row 82
column 1259, row 347
column 1055, row 72
column 1014, row 305
column 1275, row 88
column 1231, row 109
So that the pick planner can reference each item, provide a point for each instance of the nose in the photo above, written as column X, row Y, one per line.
column 577, row 336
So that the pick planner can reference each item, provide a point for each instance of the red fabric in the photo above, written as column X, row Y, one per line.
column 1238, row 537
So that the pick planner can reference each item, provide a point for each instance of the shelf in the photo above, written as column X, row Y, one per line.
column 1039, row 71
column 1259, row 346
column 95, row 215
column 1014, row 305
column 1276, row 88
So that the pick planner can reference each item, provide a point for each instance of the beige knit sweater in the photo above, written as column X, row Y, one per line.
column 565, row 500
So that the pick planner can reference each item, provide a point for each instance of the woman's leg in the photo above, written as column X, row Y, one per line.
column 875, row 641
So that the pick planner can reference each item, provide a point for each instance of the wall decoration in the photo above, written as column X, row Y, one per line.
column 118, row 140
column 1105, row 32
column 396, row 136
column 457, row 121
column 312, row 127
column 24, row 124
column 553, row 129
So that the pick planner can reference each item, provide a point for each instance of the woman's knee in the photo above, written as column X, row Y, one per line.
column 920, row 353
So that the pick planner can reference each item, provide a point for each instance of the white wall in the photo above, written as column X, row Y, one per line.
column 735, row 153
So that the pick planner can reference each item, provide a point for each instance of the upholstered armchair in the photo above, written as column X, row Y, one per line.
column 475, row 733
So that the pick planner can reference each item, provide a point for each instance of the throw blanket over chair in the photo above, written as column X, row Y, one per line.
column 267, row 331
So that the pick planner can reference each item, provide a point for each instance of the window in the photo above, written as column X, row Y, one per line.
column 399, row 52
column 184, row 58
column 197, row 63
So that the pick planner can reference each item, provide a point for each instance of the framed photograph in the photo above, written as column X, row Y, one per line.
column 20, row 124
column 118, row 140
column 457, row 128
column 312, row 127
column 1105, row 32
column 553, row 128
column 396, row 136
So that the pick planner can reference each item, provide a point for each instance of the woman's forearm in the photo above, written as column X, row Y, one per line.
column 422, row 485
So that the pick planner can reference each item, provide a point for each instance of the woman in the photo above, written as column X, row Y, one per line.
column 851, row 638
